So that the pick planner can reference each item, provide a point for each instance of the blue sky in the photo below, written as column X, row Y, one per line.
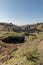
column 21, row 12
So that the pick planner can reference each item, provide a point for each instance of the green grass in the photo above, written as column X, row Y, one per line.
column 13, row 34
column 32, row 55
column 4, row 34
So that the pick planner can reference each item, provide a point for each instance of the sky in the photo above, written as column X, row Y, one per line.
column 21, row 12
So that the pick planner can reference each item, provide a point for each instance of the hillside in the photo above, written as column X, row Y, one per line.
column 30, row 52
column 9, row 27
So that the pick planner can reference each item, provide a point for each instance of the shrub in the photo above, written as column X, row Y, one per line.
column 32, row 55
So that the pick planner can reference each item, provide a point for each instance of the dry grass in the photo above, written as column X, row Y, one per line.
column 29, row 53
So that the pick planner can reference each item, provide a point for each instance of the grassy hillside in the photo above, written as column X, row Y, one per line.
column 28, row 53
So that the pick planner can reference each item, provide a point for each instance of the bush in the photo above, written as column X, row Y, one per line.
column 32, row 55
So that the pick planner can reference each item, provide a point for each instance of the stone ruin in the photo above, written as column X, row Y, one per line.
column 14, row 39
